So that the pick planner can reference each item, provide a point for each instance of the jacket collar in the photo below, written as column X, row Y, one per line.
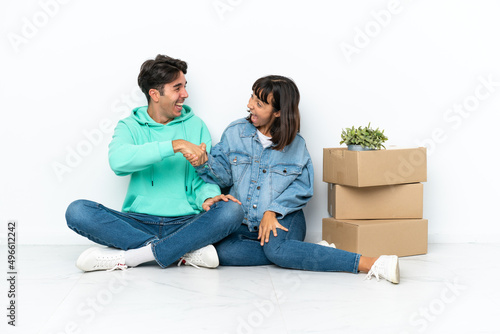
column 251, row 131
column 248, row 130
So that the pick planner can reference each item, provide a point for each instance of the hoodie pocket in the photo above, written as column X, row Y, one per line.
column 162, row 206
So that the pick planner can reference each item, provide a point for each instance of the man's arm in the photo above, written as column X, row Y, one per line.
column 126, row 157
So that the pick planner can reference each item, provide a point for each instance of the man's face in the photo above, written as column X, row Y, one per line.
column 172, row 99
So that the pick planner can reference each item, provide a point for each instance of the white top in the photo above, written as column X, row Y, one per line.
column 264, row 140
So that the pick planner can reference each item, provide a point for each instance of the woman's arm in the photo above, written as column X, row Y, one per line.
column 297, row 194
column 217, row 169
column 291, row 199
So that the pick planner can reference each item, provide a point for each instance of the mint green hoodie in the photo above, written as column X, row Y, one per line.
column 162, row 183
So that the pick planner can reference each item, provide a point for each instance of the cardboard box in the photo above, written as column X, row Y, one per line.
column 378, row 237
column 382, row 202
column 374, row 168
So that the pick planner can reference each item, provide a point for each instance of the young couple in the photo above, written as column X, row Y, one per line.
column 174, row 210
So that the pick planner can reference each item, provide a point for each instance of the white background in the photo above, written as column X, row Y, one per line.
column 69, row 71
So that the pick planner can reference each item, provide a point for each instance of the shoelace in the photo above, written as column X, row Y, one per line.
column 384, row 269
column 183, row 260
column 374, row 271
column 191, row 258
column 371, row 273
column 377, row 270
column 120, row 266
column 108, row 261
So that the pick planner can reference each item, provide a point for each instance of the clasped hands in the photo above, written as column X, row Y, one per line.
column 195, row 154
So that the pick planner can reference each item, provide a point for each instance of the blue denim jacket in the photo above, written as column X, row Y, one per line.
column 262, row 179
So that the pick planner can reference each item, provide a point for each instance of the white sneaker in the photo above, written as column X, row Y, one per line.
column 325, row 243
column 204, row 257
column 386, row 266
column 98, row 258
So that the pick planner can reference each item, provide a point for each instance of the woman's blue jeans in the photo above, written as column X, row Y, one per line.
column 288, row 250
column 170, row 237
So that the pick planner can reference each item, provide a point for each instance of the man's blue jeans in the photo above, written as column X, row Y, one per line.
column 170, row 237
column 288, row 250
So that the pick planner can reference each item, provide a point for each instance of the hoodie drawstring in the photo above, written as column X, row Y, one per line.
column 153, row 166
column 187, row 163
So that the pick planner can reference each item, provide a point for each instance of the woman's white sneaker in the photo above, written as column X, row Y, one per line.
column 386, row 266
column 98, row 258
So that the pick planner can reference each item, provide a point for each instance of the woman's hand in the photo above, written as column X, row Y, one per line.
column 210, row 201
column 195, row 154
column 267, row 224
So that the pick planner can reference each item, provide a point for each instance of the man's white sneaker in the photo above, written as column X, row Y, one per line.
column 204, row 257
column 386, row 266
column 325, row 243
column 98, row 258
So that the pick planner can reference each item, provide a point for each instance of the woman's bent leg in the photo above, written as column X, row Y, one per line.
column 241, row 248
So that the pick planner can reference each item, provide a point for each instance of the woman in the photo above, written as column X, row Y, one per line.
column 264, row 161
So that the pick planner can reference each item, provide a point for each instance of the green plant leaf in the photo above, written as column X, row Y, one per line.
column 366, row 137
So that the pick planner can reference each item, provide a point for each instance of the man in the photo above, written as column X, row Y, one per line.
column 168, row 213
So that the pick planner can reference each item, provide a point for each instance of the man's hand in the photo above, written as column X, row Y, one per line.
column 267, row 224
column 197, row 160
column 210, row 201
column 196, row 155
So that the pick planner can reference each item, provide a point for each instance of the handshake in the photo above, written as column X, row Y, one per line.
column 195, row 154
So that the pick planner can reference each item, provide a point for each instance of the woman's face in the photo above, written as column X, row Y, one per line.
column 262, row 115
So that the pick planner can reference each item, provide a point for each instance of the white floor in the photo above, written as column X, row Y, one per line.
column 452, row 289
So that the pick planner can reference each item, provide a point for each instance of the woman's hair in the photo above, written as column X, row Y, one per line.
column 285, row 98
column 155, row 73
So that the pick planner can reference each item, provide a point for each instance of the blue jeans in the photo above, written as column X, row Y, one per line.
column 170, row 237
column 288, row 249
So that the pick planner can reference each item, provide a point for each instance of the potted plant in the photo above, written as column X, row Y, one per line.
column 363, row 139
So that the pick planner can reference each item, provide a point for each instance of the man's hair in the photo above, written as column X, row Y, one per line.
column 155, row 73
column 285, row 98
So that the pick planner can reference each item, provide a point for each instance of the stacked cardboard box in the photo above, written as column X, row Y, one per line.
column 375, row 199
